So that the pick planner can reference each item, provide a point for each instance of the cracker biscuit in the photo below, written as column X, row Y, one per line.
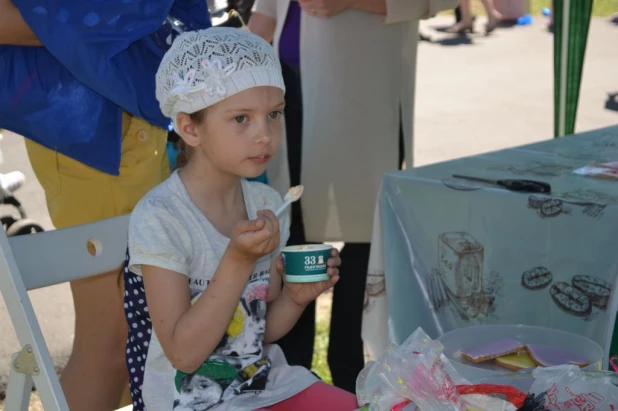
column 492, row 349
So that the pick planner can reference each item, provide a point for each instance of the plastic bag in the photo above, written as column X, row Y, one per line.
column 372, row 390
column 603, row 170
column 511, row 394
column 416, row 370
column 487, row 402
column 568, row 388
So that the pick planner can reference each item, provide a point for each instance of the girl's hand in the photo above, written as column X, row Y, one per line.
column 303, row 293
column 256, row 238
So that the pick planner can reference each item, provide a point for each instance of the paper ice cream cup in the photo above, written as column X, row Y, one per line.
column 306, row 263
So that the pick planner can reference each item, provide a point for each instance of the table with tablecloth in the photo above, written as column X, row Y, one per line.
column 449, row 253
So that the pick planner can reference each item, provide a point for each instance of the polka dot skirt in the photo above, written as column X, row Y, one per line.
column 140, row 331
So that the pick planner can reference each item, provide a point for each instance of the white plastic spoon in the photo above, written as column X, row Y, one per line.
column 292, row 195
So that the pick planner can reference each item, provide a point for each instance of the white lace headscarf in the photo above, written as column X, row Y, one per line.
column 204, row 67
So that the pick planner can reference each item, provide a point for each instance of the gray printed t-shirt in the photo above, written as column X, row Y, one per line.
column 168, row 230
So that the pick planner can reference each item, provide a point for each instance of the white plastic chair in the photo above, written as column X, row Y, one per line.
column 39, row 260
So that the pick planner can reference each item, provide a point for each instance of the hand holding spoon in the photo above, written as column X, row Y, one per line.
column 292, row 195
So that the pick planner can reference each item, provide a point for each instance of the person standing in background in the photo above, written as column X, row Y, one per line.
column 298, row 344
column 358, row 61
column 80, row 88
column 466, row 23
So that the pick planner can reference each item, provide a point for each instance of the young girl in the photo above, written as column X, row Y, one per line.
column 204, row 293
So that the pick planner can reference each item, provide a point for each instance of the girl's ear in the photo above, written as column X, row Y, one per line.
column 187, row 130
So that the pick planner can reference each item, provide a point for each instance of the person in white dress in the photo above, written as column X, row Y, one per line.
column 358, row 61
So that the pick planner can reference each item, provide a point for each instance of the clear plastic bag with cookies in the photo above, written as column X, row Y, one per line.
column 416, row 371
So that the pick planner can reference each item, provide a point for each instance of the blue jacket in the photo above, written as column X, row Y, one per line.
column 99, row 58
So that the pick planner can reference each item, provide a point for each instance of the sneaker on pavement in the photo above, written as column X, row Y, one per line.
column 12, row 181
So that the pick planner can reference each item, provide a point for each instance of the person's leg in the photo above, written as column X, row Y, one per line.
column 345, row 350
column 298, row 344
column 466, row 23
column 294, row 132
column 100, row 330
column 320, row 396
column 466, row 11
column 493, row 16
column 96, row 373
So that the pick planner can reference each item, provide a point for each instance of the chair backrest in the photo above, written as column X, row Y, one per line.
column 58, row 256
column 39, row 260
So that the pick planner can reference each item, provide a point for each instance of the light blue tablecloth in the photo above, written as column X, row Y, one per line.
column 448, row 253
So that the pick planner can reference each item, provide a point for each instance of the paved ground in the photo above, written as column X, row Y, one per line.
column 475, row 94
column 478, row 94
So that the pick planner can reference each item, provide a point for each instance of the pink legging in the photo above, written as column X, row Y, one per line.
column 320, row 396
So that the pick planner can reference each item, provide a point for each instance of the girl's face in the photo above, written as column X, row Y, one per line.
column 239, row 135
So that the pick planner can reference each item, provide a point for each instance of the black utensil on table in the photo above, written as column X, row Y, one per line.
column 524, row 186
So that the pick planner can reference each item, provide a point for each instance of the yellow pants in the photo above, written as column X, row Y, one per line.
column 79, row 194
